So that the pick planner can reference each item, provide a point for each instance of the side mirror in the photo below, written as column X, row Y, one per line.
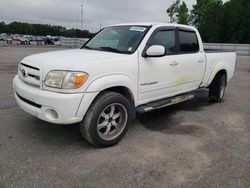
column 155, row 51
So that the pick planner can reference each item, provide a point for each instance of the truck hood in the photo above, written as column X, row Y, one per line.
column 76, row 60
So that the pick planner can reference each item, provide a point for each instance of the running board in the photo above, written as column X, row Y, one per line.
column 163, row 103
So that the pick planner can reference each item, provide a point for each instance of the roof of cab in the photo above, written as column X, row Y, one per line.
column 138, row 23
column 154, row 24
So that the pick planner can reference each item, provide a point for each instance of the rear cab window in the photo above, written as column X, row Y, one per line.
column 188, row 41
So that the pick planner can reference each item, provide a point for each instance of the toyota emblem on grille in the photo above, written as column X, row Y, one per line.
column 23, row 73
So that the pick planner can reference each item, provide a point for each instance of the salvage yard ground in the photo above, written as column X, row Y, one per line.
column 192, row 144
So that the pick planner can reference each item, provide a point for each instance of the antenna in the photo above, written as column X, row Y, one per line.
column 81, row 15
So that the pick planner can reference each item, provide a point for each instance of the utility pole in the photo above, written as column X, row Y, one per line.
column 77, row 20
column 81, row 15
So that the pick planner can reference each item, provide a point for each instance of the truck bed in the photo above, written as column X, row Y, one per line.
column 219, row 59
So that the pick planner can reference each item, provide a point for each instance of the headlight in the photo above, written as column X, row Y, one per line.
column 65, row 79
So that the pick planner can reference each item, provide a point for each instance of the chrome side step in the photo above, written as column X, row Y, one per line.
column 163, row 103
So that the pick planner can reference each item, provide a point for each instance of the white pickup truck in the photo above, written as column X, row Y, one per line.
column 122, row 70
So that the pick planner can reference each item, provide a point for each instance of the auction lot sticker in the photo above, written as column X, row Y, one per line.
column 140, row 29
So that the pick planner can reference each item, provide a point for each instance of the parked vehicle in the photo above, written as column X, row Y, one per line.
column 25, row 40
column 20, row 40
column 39, row 40
column 56, row 41
column 6, row 38
column 2, row 38
column 17, row 40
column 49, row 40
column 124, row 69
column 29, row 37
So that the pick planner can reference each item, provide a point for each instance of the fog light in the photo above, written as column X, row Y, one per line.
column 51, row 114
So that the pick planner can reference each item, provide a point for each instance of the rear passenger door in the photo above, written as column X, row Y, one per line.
column 190, row 59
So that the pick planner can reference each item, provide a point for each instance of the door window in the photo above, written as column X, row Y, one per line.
column 188, row 42
column 166, row 39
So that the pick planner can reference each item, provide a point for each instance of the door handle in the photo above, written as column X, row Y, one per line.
column 200, row 61
column 173, row 64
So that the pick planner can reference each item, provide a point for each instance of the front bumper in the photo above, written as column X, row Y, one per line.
column 49, row 106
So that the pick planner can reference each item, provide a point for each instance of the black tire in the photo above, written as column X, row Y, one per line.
column 94, row 118
column 217, row 88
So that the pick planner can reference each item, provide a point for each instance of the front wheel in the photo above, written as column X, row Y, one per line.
column 107, row 120
column 217, row 88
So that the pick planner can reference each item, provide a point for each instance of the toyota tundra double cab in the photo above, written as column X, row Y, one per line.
column 123, row 70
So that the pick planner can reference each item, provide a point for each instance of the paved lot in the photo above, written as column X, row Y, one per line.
column 193, row 144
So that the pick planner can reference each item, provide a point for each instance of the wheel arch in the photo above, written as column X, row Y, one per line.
column 216, row 72
column 115, row 83
column 122, row 84
column 123, row 91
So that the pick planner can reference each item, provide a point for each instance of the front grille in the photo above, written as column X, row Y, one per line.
column 31, row 67
column 29, row 102
column 30, row 75
column 34, row 76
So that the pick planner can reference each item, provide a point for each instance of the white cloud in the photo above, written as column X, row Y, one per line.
column 96, row 12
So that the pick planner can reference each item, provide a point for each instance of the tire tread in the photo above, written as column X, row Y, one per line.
column 214, row 88
column 85, row 125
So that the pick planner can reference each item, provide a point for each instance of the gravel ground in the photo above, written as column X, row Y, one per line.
column 192, row 144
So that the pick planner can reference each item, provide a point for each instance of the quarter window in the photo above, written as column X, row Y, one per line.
column 188, row 42
column 166, row 39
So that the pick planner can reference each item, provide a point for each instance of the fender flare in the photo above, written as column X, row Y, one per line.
column 218, row 67
column 114, row 80
column 103, row 83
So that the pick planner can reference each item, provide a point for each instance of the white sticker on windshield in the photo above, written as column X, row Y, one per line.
column 140, row 29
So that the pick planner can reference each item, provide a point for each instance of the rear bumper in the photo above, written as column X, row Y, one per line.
column 49, row 106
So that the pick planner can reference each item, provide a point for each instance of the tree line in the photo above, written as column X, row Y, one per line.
column 43, row 30
column 216, row 21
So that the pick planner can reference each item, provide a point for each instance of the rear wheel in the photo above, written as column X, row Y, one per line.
column 217, row 88
column 107, row 120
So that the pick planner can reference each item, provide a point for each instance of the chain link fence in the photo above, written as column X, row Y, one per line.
column 73, row 42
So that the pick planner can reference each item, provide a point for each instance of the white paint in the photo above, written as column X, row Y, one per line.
column 147, row 79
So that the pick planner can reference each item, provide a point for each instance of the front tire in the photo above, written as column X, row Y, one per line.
column 217, row 88
column 107, row 120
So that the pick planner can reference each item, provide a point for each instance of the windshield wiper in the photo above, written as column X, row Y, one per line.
column 110, row 49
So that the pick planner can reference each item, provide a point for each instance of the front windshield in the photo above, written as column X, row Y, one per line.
column 118, row 39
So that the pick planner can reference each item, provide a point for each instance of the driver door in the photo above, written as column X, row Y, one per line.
column 157, row 75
